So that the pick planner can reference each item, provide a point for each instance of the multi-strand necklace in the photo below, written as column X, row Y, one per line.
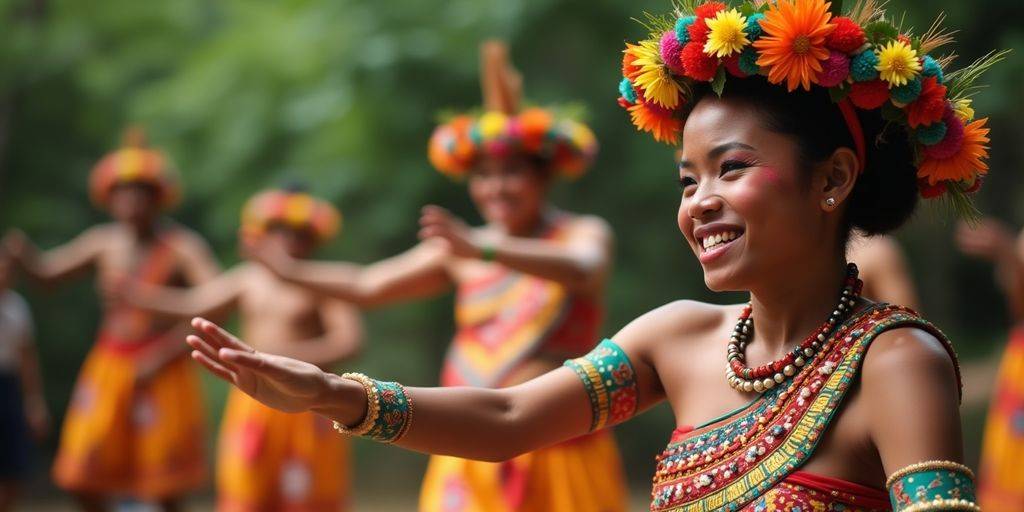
column 767, row 376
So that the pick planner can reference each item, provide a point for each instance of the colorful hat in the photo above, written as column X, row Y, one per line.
column 863, row 59
column 295, row 209
column 503, row 131
column 134, row 162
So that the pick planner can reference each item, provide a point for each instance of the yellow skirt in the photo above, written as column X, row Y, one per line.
column 123, row 437
column 1001, row 479
column 583, row 475
column 268, row 460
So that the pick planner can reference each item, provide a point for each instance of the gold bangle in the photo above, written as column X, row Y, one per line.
column 942, row 505
column 372, row 406
column 929, row 465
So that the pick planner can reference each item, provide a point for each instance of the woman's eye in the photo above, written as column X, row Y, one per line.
column 686, row 182
column 733, row 165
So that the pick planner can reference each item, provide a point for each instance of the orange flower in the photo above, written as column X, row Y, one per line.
column 966, row 164
column 793, row 44
column 660, row 122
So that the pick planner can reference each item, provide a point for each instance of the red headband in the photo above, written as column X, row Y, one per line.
column 853, row 124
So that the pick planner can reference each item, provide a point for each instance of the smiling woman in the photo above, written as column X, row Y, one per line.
column 825, row 399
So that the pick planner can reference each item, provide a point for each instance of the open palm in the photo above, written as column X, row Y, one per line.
column 282, row 383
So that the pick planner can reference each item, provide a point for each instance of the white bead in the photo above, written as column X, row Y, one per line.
column 789, row 370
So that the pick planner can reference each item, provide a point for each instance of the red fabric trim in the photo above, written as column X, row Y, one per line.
column 853, row 493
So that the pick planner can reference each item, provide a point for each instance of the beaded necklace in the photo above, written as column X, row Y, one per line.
column 767, row 376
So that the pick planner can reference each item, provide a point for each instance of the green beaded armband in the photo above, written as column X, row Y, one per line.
column 610, row 382
column 932, row 486
column 389, row 410
column 488, row 253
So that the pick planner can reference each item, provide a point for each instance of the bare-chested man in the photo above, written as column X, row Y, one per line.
column 269, row 460
column 135, row 423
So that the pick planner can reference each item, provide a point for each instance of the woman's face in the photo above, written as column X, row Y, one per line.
column 508, row 192
column 747, row 207
column 298, row 243
column 134, row 203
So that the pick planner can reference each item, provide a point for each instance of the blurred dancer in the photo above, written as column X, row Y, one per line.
column 23, row 411
column 135, row 423
column 529, row 287
column 269, row 460
column 1001, row 481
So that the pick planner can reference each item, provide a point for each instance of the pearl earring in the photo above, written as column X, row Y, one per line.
column 830, row 202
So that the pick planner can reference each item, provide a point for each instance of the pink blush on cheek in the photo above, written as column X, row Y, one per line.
column 769, row 176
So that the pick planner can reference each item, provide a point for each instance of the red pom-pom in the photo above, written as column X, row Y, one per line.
column 732, row 65
column 930, row 191
column 698, row 31
column 929, row 106
column 847, row 37
column 708, row 9
column 698, row 65
column 869, row 95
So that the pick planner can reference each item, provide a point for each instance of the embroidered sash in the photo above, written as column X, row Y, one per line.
column 737, row 459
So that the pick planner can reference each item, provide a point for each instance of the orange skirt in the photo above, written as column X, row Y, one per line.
column 583, row 475
column 273, row 461
column 1001, row 479
column 124, row 437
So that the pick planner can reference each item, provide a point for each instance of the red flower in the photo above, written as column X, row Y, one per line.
column 624, row 103
column 929, row 106
column 698, row 31
column 708, row 9
column 869, row 95
column 623, row 405
column 698, row 65
column 929, row 191
column 732, row 65
column 847, row 36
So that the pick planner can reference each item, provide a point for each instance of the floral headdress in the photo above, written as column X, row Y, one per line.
column 503, row 131
column 864, row 60
column 291, row 208
column 134, row 163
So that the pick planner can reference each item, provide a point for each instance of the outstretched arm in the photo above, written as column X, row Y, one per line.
column 209, row 298
column 993, row 240
column 580, row 261
column 417, row 273
column 61, row 263
column 477, row 423
column 342, row 338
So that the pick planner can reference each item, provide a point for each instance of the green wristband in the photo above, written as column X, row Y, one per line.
column 488, row 253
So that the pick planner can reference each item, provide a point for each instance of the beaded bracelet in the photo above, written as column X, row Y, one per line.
column 932, row 485
column 610, row 383
column 388, row 410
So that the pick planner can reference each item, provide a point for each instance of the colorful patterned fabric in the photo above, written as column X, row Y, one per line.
column 583, row 475
column 395, row 415
column 808, row 492
column 270, row 461
column 737, row 459
column 935, row 485
column 121, row 436
column 297, row 210
column 1001, row 480
column 506, row 317
column 610, row 382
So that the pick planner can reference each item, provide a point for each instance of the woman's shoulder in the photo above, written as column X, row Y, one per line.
column 678, row 320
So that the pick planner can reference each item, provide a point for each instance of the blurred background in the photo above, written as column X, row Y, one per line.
column 344, row 94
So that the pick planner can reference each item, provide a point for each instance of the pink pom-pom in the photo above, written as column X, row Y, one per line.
column 949, row 144
column 670, row 49
column 834, row 69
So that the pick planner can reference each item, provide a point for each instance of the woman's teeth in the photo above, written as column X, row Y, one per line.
column 718, row 239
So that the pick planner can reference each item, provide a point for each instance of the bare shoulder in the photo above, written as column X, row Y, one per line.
column 581, row 223
column 678, row 320
column 186, row 240
column 909, row 360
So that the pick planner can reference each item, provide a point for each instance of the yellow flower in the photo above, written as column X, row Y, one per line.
column 898, row 63
column 962, row 108
column 492, row 125
column 726, row 34
column 653, row 78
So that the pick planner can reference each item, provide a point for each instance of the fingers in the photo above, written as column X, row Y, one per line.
column 198, row 344
column 273, row 367
column 217, row 337
column 214, row 367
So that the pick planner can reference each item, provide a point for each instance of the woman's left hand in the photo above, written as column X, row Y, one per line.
column 438, row 223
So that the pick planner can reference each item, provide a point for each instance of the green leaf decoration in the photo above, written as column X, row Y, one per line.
column 879, row 32
column 718, row 83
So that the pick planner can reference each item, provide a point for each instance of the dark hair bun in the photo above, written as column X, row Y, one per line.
column 886, row 192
